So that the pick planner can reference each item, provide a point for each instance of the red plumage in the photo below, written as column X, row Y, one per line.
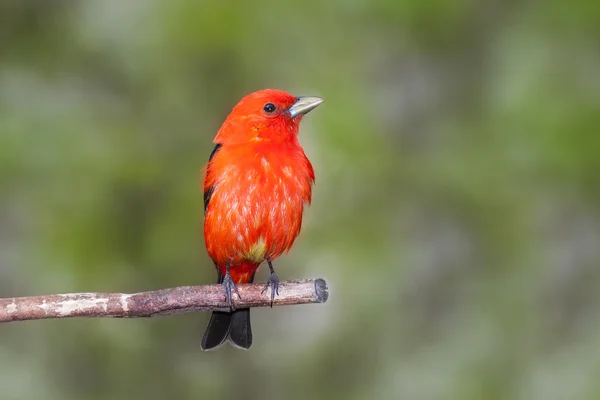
column 260, row 190
column 257, row 182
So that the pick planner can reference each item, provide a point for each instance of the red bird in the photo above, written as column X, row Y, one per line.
column 257, row 181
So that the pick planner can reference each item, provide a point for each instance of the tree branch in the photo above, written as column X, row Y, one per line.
column 160, row 302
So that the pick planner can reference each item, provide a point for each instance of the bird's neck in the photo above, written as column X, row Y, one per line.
column 268, row 148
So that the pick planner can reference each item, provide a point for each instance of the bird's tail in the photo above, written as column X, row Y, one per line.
column 233, row 326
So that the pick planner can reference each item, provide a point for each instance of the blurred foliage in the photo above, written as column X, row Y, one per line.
column 456, row 215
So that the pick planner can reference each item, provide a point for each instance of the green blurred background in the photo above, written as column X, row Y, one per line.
column 456, row 215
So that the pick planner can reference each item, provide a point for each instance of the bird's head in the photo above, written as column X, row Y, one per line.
column 265, row 115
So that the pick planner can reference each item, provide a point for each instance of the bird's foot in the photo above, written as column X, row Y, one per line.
column 273, row 283
column 228, row 285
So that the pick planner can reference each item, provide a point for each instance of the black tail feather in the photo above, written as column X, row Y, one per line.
column 233, row 326
column 217, row 330
column 240, row 332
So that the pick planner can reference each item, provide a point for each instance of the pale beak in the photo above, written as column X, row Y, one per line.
column 304, row 105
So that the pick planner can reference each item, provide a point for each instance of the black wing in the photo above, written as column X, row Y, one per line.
column 208, row 192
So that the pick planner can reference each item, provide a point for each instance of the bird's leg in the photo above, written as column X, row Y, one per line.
column 228, row 284
column 272, row 282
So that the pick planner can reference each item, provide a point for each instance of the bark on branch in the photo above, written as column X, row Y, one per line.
column 160, row 302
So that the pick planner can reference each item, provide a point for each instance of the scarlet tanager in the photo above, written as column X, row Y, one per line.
column 256, row 184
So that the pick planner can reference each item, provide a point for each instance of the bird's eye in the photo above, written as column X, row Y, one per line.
column 269, row 108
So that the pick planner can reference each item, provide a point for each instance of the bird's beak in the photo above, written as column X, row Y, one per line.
column 304, row 105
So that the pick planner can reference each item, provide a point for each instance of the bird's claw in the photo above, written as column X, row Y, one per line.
column 228, row 285
column 273, row 283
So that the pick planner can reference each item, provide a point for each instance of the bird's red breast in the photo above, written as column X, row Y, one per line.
column 256, row 185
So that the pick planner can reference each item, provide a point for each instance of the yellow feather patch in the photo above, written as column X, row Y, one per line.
column 257, row 251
